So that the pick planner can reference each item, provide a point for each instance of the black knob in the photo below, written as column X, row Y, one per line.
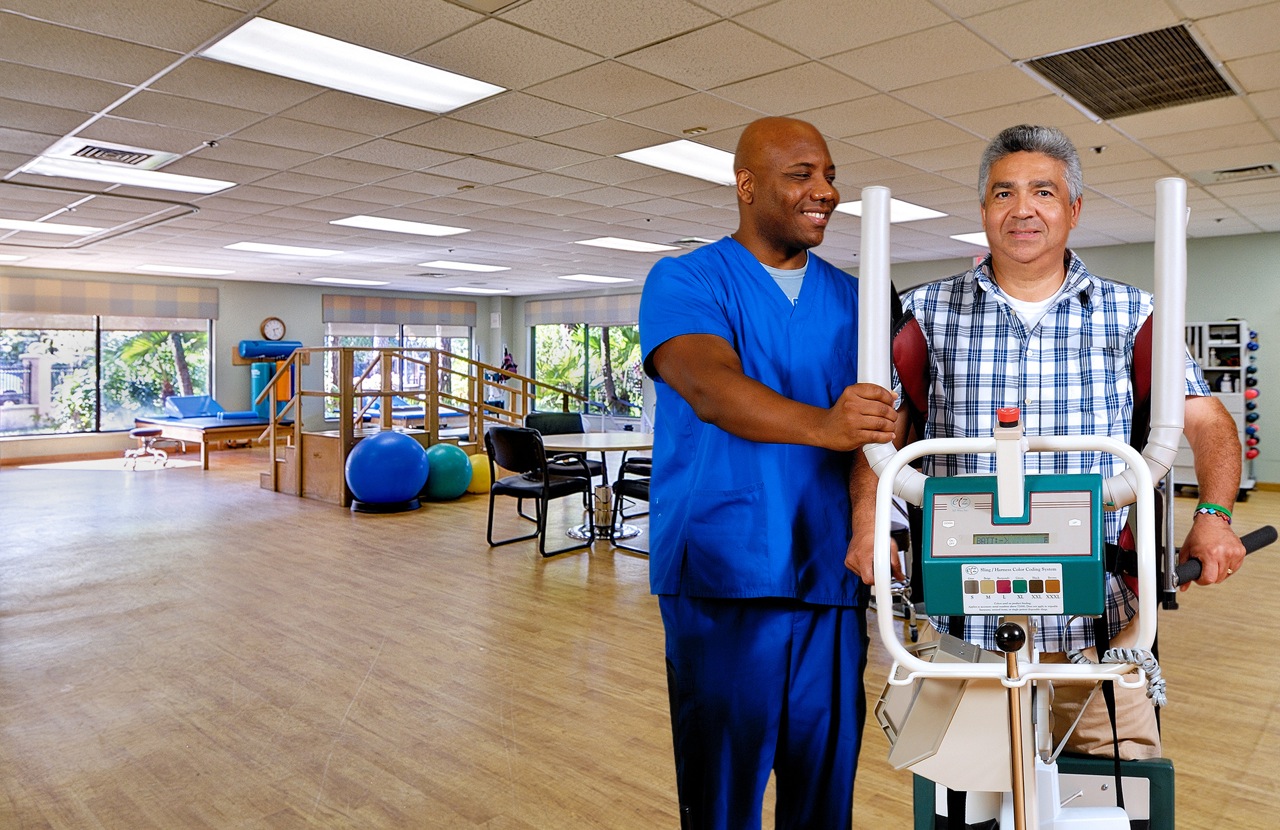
column 1010, row 637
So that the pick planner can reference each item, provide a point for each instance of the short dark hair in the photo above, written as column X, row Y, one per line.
column 1024, row 138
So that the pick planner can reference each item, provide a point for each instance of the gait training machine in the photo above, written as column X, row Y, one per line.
column 1018, row 546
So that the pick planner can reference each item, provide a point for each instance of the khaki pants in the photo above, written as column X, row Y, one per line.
column 1135, row 716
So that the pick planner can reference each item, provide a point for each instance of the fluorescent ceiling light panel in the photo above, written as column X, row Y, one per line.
column 306, row 56
column 470, row 289
column 979, row 238
column 99, row 171
column 899, row 211
column 287, row 250
column 48, row 227
column 379, row 223
column 617, row 244
column 688, row 158
column 593, row 278
column 11, row 258
column 349, row 281
column 462, row 266
column 183, row 269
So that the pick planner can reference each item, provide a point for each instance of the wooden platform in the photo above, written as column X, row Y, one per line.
column 182, row 649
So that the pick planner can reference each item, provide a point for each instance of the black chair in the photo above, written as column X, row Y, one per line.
column 563, row 423
column 628, row 491
column 520, row 450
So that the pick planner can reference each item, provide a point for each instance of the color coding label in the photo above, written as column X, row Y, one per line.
column 1012, row 588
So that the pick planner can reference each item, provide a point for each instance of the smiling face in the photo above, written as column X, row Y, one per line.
column 786, row 190
column 1028, row 215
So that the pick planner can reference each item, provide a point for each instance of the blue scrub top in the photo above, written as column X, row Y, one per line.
column 730, row 517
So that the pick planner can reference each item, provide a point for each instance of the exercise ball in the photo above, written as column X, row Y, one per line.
column 1252, row 442
column 481, row 479
column 450, row 472
column 1252, row 345
column 1251, row 430
column 388, row 469
column 1251, row 453
column 1251, row 393
column 1251, row 417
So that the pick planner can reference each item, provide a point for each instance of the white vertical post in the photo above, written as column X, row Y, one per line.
column 873, row 288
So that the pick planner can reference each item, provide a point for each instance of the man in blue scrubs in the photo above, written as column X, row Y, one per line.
column 752, row 344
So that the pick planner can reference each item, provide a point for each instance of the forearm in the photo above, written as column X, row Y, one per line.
column 742, row 406
column 1211, row 433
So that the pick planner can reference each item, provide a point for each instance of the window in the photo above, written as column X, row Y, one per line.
column 601, row 363
column 71, row 373
column 416, row 340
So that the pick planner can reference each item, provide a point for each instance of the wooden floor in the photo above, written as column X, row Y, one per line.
column 181, row 649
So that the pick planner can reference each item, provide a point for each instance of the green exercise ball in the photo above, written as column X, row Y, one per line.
column 450, row 472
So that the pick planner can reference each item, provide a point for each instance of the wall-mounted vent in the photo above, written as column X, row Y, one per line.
column 1238, row 174
column 111, row 154
column 1140, row 73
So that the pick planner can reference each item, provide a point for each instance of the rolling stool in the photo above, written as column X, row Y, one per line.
column 147, row 438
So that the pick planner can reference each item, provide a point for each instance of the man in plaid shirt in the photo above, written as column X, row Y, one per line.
column 1030, row 327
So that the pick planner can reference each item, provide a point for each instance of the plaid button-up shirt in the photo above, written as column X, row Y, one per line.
column 1070, row 375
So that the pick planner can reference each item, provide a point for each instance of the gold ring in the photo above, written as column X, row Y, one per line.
column 1229, row 572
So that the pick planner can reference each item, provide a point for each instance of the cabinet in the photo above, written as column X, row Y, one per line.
column 1226, row 352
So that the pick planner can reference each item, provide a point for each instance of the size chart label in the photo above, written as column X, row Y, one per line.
column 1012, row 588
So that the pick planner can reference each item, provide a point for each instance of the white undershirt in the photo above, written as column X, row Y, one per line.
column 1031, row 312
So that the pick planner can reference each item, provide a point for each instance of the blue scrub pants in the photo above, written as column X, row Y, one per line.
column 759, row 685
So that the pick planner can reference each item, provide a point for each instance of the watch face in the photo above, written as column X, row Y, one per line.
column 273, row 328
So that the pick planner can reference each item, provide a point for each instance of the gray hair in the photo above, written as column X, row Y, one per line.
column 1023, row 138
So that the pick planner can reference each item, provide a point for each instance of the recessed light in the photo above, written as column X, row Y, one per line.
column 899, row 211
column 379, row 223
column 471, row 289
column 462, row 266
column 349, row 281
column 182, row 269
column 688, row 158
column 306, row 56
column 618, row 244
column 11, row 258
column 48, row 227
column 594, row 278
column 287, row 250
column 979, row 238
column 98, row 171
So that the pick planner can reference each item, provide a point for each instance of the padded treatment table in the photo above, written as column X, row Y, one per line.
column 207, row 431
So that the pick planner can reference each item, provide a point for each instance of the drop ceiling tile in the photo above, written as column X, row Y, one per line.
column 395, row 155
column 883, row 65
column 1244, row 33
column 1020, row 31
column 1257, row 74
column 502, row 54
column 479, row 171
column 149, row 136
column 455, row 136
column 425, row 184
column 666, row 184
column 973, row 92
column 540, row 155
column 864, row 115
column 899, row 140
column 795, row 89
column 57, row 89
column 548, row 184
column 608, row 171
column 1186, row 118
column 810, row 27
column 609, row 29
column 21, row 115
column 1119, row 152
column 1217, row 137
column 395, row 27
column 1147, row 171
column 844, row 154
column 739, row 54
column 234, row 86
column 1046, row 109
column 526, row 115
column 366, row 195
column 210, row 168
column 1226, row 159
column 697, row 110
column 493, row 195
column 213, row 120
column 609, row 88
column 60, row 49
column 364, row 115
column 299, row 135
column 176, row 27
column 301, row 183
column 608, row 137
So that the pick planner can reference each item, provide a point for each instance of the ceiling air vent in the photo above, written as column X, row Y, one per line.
column 1140, row 73
column 1238, row 174
column 112, row 154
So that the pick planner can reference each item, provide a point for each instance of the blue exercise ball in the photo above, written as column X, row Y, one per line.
column 387, row 468
column 450, row 472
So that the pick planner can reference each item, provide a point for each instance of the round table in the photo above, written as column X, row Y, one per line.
column 603, row 443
